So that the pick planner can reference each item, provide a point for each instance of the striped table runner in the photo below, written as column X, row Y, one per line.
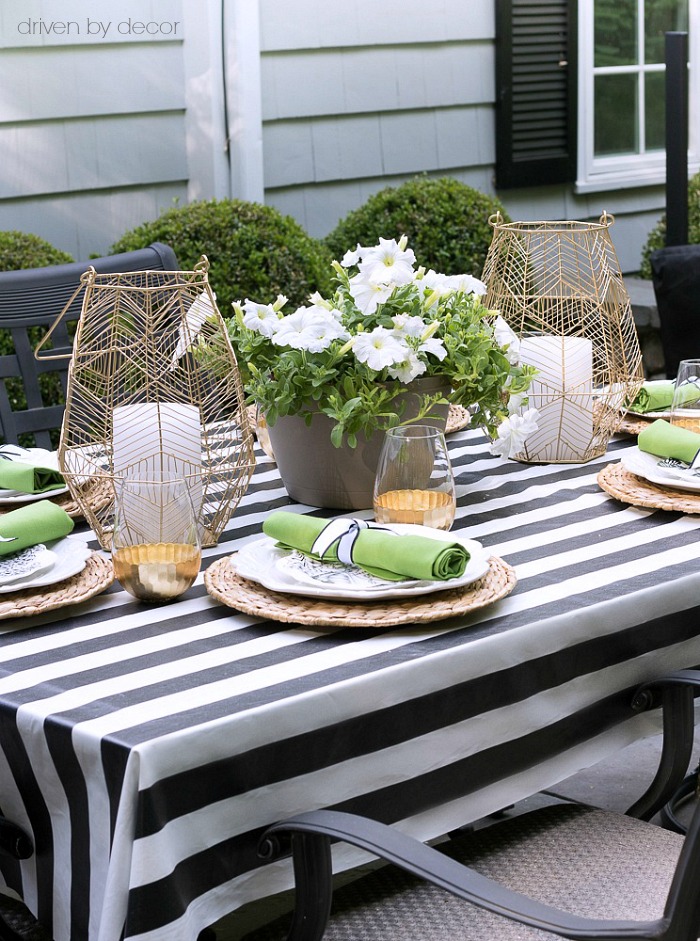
column 147, row 747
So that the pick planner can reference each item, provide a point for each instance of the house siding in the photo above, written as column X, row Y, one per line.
column 101, row 133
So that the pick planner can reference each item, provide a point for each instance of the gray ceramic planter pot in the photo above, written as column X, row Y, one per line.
column 317, row 474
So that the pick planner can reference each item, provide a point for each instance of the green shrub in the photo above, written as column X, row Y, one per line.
column 253, row 250
column 657, row 236
column 446, row 223
column 22, row 250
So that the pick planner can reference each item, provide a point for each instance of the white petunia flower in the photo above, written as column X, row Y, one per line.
column 351, row 258
column 434, row 346
column 506, row 337
column 388, row 261
column 309, row 328
column 408, row 370
column 263, row 318
column 466, row 283
column 513, row 432
column 367, row 295
column 379, row 348
column 408, row 326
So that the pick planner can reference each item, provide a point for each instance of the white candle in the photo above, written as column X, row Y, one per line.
column 562, row 392
column 151, row 440
column 164, row 435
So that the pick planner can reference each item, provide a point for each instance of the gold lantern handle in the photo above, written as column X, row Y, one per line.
column 86, row 277
column 496, row 219
column 607, row 219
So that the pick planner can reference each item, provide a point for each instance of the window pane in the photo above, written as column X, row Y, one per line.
column 616, row 130
column 655, row 110
column 661, row 16
column 615, row 32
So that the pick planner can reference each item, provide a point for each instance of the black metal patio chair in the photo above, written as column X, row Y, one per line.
column 33, row 298
column 565, row 870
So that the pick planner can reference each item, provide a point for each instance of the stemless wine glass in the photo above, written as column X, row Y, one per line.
column 685, row 409
column 155, row 543
column 414, row 482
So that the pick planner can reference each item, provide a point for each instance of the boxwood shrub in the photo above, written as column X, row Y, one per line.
column 20, row 250
column 445, row 220
column 253, row 250
column 657, row 236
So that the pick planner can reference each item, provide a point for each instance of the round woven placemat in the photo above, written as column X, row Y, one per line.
column 631, row 425
column 225, row 585
column 458, row 417
column 94, row 578
column 629, row 488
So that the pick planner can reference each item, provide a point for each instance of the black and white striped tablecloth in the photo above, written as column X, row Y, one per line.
column 147, row 747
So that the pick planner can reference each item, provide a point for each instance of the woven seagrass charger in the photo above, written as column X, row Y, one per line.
column 225, row 585
column 627, row 487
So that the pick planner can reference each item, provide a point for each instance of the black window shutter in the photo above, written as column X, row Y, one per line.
column 536, row 48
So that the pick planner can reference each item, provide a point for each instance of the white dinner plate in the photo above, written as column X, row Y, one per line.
column 651, row 468
column 72, row 552
column 26, row 563
column 652, row 416
column 283, row 570
column 38, row 456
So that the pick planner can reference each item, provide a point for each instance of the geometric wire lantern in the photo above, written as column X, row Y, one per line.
column 558, row 285
column 153, row 388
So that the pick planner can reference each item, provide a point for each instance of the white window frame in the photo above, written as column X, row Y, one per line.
column 624, row 171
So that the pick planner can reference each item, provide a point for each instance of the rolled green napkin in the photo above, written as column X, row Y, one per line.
column 377, row 551
column 29, row 478
column 31, row 524
column 657, row 396
column 666, row 440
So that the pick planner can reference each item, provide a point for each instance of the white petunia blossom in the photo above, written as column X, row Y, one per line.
column 309, row 328
column 513, row 432
column 263, row 318
column 466, row 283
column 434, row 346
column 506, row 337
column 388, row 261
column 408, row 326
column 380, row 348
column 368, row 295
column 408, row 370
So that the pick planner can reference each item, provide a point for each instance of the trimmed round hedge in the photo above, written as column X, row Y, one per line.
column 445, row 220
column 19, row 250
column 253, row 250
column 657, row 236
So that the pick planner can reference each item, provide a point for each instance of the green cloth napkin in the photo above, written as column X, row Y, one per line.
column 666, row 440
column 657, row 395
column 29, row 478
column 31, row 524
column 377, row 551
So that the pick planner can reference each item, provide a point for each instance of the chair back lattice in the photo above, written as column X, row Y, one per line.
column 154, row 386
column 563, row 279
column 32, row 392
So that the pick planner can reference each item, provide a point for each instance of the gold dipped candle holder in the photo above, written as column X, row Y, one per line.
column 153, row 383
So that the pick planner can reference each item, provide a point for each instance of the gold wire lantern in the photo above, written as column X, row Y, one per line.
column 154, row 388
column 558, row 285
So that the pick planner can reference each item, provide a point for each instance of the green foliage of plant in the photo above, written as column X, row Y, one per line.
column 20, row 250
column 445, row 220
column 657, row 236
column 253, row 250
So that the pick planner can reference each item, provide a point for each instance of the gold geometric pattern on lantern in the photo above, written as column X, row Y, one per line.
column 558, row 285
column 153, row 388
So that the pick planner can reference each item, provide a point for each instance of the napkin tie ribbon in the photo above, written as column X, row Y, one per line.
column 344, row 532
